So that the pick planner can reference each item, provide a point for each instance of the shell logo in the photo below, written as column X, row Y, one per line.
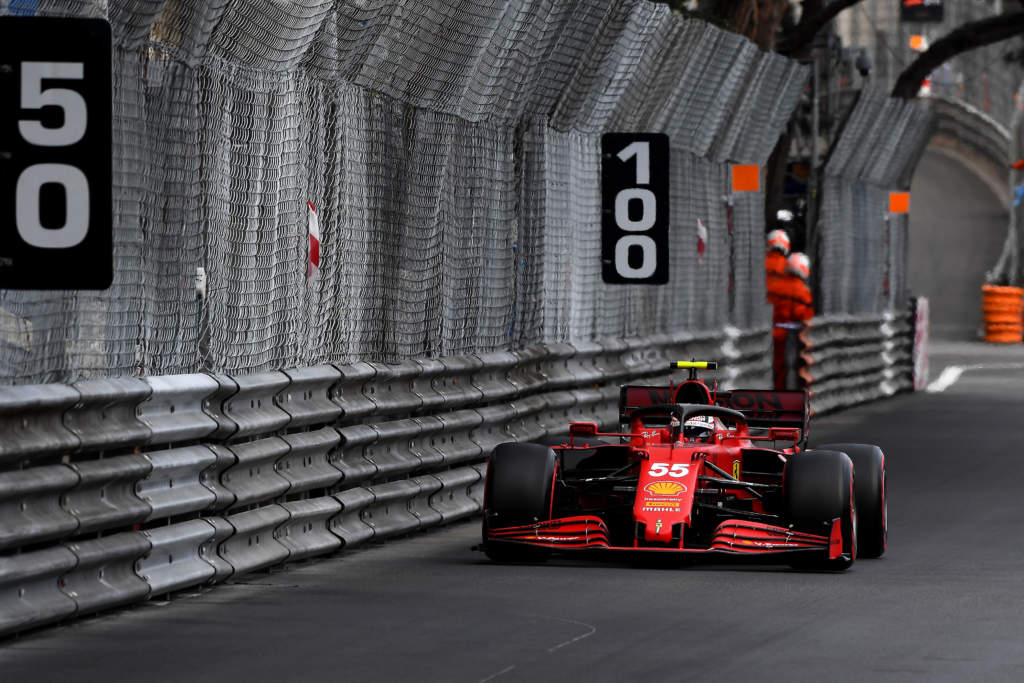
column 665, row 488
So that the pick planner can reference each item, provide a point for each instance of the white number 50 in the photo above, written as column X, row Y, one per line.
column 71, row 179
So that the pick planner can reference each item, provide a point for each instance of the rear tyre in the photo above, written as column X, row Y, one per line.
column 869, row 491
column 519, row 491
column 819, row 487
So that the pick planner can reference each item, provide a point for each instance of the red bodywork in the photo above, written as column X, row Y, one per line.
column 684, row 490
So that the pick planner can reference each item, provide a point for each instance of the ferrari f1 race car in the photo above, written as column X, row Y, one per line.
column 696, row 471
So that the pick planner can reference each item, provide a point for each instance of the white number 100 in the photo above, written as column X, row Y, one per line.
column 72, row 129
column 648, row 216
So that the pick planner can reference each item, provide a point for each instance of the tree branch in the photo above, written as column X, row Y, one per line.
column 966, row 37
column 810, row 24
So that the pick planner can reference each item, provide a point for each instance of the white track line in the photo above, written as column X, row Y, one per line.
column 592, row 631
column 952, row 373
column 947, row 379
column 500, row 673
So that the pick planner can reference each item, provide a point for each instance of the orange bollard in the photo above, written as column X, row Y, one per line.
column 1003, row 308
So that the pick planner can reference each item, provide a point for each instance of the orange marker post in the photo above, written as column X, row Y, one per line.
column 899, row 202
column 746, row 178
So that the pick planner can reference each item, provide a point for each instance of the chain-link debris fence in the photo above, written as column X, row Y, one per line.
column 861, row 247
column 450, row 150
column 977, row 94
column 986, row 78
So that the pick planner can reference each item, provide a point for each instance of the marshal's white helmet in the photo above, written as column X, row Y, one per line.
column 699, row 428
column 778, row 240
column 798, row 264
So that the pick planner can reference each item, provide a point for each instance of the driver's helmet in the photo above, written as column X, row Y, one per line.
column 700, row 428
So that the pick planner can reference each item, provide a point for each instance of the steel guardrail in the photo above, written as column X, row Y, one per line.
column 116, row 490
column 847, row 360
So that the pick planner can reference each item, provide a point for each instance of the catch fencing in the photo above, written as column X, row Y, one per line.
column 450, row 151
column 985, row 78
column 115, row 491
column 860, row 247
column 976, row 94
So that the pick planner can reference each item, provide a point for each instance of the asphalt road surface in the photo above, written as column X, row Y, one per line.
column 944, row 604
column 957, row 227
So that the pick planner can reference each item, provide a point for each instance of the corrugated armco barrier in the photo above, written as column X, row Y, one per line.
column 116, row 490
column 854, row 359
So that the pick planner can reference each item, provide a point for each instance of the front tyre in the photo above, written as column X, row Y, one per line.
column 869, row 490
column 519, row 491
column 819, row 487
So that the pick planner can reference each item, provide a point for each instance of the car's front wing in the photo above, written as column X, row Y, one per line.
column 731, row 537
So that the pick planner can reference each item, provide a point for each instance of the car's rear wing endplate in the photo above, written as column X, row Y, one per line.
column 761, row 407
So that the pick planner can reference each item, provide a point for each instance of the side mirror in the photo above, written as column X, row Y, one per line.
column 582, row 429
column 784, row 434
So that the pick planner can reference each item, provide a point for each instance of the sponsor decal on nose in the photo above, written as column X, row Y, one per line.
column 665, row 488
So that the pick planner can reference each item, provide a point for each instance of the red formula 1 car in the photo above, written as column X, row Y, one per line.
column 692, row 474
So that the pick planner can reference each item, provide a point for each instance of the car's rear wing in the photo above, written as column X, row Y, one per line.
column 768, row 407
column 633, row 397
column 760, row 407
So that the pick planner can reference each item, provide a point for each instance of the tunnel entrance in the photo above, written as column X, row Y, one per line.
column 957, row 227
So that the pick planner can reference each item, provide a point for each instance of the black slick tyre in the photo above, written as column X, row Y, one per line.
column 819, row 487
column 870, row 492
column 519, row 491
